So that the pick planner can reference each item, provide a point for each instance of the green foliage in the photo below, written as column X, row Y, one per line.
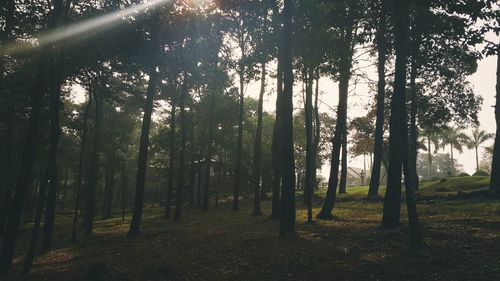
column 480, row 173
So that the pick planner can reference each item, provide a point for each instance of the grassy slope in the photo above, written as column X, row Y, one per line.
column 462, row 240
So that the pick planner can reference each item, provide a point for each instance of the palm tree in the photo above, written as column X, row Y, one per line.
column 456, row 139
column 431, row 137
column 478, row 137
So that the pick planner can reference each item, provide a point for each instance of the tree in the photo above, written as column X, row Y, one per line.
column 456, row 139
column 398, row 137
column 476, row 140
column 135, row 224
column 382, row 52
column 287, row 202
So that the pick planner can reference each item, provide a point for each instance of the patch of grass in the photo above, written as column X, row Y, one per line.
column 456, row 184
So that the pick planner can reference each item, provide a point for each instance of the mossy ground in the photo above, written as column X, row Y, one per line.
column 462, row 239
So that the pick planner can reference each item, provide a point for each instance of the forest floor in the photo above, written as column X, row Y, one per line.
column 462, row 242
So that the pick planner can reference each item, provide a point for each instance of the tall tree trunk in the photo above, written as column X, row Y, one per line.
column 35, row 233
column 108, row 194
column 199, row 172
column 257, row 152
column 452, row 161
column 411, row 205
column 495, row 165
column 392, row 201
column 180, row 175
column 83, row 139
column 429, row 155
column 93, row 174
column 192, row 168
column 310, row 151
column 343, row 168
column 135, row 225
column 276, row 142
column 124, row 185
column 287, row 203
column 26, row 168
column 171, row 161
column 239, row 149
column 378, row 148
column 340, row 126
column 208, row 159
column 413, row 137
column 6, row 161
column 55, row 133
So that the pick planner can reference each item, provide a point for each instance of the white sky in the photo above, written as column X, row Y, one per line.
column 483, row 82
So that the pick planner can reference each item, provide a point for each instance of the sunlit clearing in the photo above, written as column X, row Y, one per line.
column 100, row 23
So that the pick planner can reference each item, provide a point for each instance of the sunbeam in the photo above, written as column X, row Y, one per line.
column 100, row 23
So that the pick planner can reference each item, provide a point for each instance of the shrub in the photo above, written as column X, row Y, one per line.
column 463, row 174
column 481, row 173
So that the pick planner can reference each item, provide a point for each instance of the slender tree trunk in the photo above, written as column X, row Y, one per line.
column 55, row 133
column 171, row 164
column 413, row 138
column 287, row 203
column 208, row 159
column 310, row 151
column 495, row 165
column 30, row 255
column 192, row 168
column 257, row 153
column 93, row 174
column 124, row 185
column 6, row 163
column 237, row 175
column 429, row 155
column 452, row 161
column 80, row 168
column 198, row 183
column 135, row 225
column 180, row 175
column 343, row 169
column 477, row 158
column 378, row 148
column 276, row 142
column 392, row 201
column 26, row 168
column 108, row 196
column 411, row 205
column 340, row 127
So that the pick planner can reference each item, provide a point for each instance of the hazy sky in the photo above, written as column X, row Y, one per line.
column 483, row 82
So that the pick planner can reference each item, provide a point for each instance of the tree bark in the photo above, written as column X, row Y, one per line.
column 287, row 203
column 392, row 201
column 239, row 149
column 343, row 168
column 495, row 165
column 26, row 168
column 340, row 126
column 310, row 151
column 378, row 148
column 180, row 174
column 93, row 174
column 135, row 225
column 80, row 168
column 257, row 153
column 55, row 133
column 171, row 161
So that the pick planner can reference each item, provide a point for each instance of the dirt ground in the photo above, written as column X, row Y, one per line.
column 462, row 240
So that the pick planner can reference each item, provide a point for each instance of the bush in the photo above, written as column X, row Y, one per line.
column 443, row 180
column 481, row 173
column 463, row 174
